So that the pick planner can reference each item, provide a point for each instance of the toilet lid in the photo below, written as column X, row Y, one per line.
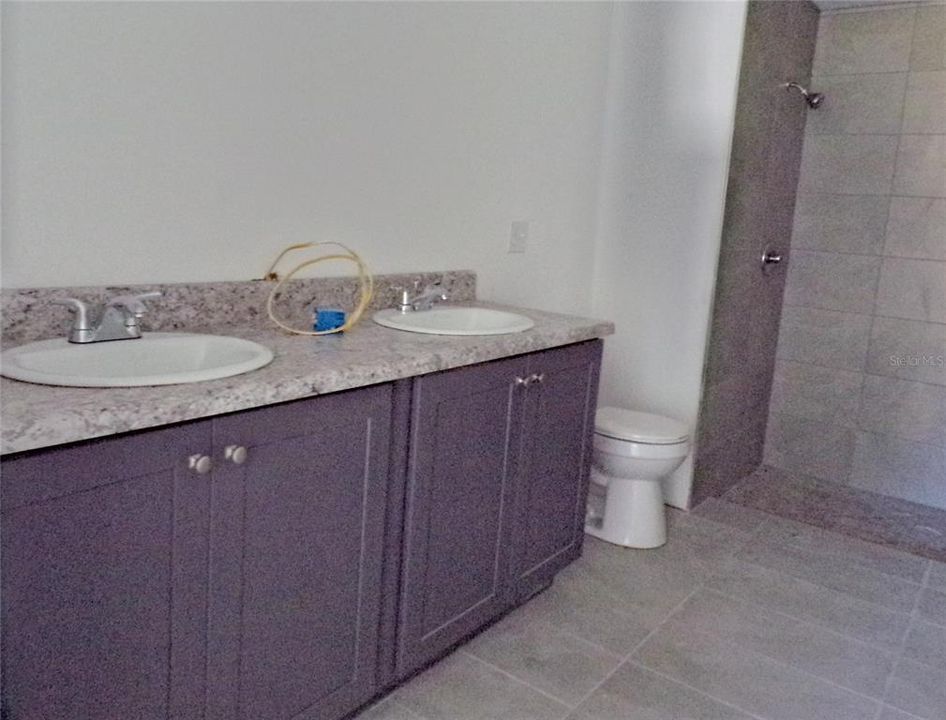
column 639, row 426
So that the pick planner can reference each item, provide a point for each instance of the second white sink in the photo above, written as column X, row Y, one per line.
column 152, row 359
column 443, row 320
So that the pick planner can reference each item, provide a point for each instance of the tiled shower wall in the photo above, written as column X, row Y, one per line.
column 763, row 175
column 859, row 391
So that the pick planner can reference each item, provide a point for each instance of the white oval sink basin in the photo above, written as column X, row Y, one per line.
column 152, row 359
column 455, row 321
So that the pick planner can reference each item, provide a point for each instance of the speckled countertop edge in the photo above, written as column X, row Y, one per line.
column 37, row 416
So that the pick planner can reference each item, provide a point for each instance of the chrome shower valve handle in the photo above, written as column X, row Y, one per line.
column 770, row 260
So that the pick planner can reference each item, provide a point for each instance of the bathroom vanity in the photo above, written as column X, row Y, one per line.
column 295, row 559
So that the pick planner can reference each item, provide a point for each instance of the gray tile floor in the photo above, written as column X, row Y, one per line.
column 741, row 615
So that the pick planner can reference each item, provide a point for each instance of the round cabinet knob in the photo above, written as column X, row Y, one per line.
column 537, row 377
column 521, row 381
column 200, row 464
column 235, row 454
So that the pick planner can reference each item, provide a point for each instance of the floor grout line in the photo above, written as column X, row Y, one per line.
column 869, row 571
column 831, row 589
column 568, row 633
column 640, row 644
column 677, row 681
column 796, row 668
column 805, row 621
column 903, row 643
column 467, row 653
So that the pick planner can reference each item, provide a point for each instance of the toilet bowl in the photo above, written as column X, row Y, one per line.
column 633, row 452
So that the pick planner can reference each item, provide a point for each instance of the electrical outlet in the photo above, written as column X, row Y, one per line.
column 519, row 236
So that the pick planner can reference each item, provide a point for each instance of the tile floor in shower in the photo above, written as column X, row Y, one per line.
column 741, row 615
column 891, row 521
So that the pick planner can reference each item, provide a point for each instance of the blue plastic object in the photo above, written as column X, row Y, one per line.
column 328, row 319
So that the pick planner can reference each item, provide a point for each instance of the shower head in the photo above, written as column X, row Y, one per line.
column 814, row 99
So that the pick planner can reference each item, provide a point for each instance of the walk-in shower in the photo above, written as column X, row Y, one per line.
column 827, row 369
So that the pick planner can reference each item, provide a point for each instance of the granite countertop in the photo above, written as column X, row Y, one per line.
column 36, row 416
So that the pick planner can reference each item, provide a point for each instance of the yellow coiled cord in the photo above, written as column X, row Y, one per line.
column 365, row 282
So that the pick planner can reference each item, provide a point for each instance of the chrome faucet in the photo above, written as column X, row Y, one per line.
column 119, row 320
column 422, row 299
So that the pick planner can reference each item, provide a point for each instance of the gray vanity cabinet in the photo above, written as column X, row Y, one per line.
column 135, row 587
column 465, row 433
column 104, row 579
column 496, row 488
column 296, row 557
column 552, row 483
column 337, row 544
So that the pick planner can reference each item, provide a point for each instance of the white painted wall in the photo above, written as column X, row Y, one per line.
column 191, row 141
column 669, row 123
column 149, row 142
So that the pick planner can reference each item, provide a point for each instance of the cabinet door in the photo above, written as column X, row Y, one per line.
column 552, row 485
column 104, row 579
column 465, row 429
column 295, row 561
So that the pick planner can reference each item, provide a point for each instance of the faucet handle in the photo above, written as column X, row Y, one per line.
column 433, row 285
column 133, row 303
column 80, row 309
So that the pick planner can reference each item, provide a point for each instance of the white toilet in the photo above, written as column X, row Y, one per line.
column 633, row 452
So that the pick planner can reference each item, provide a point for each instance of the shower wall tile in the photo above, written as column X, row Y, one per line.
column 858, row 104
column 864, row 42
column 799, row 43
column 745, row 323
column 916, row 228
column 924, row 109
column 831, row 281
column 719, row 467
column 865, row 295
column 903, row 409
column 760, row 202
column 824, row 337
column 850, row 164
column 733, row 411
column 921, row 166
column 908, row 349
column 903, row 469
column 929, row 39
column 912, row 289
column 822, row 450
column 783, row 160
column 812, row 392
column 839, row 223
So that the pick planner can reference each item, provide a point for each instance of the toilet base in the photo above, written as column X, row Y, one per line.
column 634, row 514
